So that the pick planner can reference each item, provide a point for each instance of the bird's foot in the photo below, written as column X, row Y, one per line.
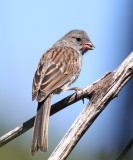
column 74, row 88
column 77, row 90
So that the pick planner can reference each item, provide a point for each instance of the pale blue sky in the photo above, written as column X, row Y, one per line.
column 29, row 28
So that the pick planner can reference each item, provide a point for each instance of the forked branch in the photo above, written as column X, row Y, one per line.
column 102, row 93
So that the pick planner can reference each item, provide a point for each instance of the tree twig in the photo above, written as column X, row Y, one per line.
column 84, row 93
column 125, row 150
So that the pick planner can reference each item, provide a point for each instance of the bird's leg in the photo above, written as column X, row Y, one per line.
column 75, row 89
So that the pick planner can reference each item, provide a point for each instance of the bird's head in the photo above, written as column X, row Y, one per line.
column 76, row 39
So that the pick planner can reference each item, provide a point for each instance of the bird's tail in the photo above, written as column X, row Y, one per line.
column 40, row 132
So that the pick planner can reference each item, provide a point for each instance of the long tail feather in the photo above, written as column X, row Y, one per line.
column 40, row 132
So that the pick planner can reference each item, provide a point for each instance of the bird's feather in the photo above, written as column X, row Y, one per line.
column 52, row 73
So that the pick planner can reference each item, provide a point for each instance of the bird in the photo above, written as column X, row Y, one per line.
column 58, row 68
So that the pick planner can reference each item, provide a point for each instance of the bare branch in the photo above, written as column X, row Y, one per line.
column 125, row 150
column 103, row 92
column 84, row 93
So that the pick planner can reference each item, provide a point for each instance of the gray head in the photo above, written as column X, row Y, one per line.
column 76, row 39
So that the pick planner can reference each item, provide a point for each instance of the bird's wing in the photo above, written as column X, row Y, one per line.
column 55, row 69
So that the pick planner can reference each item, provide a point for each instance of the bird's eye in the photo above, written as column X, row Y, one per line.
column 78, row 39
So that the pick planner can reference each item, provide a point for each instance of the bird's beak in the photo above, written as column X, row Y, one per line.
column 88, row 46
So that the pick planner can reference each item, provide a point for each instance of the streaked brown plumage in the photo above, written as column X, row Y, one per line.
column 58, row 68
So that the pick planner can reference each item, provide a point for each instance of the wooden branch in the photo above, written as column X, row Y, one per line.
column 84, row 93
column 101, row 94
column 125, row 150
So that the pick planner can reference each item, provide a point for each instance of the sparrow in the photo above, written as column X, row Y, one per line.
column 58, row 68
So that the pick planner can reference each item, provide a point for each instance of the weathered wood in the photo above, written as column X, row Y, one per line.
column 102, row 93
column 54, row 109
